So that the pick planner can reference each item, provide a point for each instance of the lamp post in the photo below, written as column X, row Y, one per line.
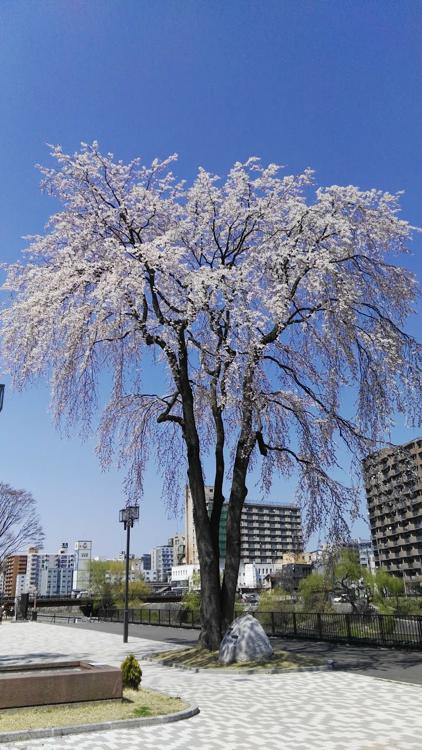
column 127, row 516
column 2, row 387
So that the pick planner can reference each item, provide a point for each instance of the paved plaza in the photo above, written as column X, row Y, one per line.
column 303, row 711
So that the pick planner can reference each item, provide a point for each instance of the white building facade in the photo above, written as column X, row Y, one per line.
column 82, row 567
column 56, row 573
column 47, row 574
column 251, row 575
column 185, row 576
column 366, row 555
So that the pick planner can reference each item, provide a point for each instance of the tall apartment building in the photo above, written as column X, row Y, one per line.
column 14, row 566
column 268, row 530
column 393, row 481
column 48, row 574
column 161, row 563
column 56, row 573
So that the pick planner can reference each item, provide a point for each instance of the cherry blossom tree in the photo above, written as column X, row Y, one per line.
column 262, row 299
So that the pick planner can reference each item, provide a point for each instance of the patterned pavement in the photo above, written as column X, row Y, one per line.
column 303, row 711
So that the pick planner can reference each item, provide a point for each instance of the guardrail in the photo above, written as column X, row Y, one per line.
column 371, row 629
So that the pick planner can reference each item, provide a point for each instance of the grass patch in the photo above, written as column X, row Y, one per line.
column 201, row 658
column 135, row 704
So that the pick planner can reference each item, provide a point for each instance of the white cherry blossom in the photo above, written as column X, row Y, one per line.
column 263, row 300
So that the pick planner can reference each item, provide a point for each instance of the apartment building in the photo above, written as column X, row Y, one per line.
column 48, row 574
column 268, row 530
column 14, row 566
column 393, row 482
column 56, row 572
column 161, row 563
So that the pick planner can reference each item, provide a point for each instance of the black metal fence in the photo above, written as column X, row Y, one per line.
column 52, row 617
column 173, row 618
column 371, row 629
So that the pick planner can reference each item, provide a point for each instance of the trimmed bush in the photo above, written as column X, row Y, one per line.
column 131, row 672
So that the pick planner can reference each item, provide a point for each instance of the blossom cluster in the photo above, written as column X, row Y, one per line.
column 276, row 296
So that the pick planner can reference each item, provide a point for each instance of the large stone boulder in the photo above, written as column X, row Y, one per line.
column 245, row 640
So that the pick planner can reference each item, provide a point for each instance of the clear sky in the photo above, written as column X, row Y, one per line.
column 331, row 85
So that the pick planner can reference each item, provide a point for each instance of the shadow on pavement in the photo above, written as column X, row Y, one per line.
column 393, row 664
column 31, row 657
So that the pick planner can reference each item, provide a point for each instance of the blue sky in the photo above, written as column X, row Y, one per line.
column 335, row 86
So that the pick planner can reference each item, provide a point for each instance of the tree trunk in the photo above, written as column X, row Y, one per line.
column 238, row 494
column 218, row 498
column 208, row 559
column 231, row 570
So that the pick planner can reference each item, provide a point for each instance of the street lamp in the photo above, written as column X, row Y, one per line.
column 2, row 387
column 127, row 516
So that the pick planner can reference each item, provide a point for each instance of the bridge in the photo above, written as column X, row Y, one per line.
column 54, row 601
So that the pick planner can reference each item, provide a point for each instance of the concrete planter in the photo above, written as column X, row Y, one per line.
column 58, row 682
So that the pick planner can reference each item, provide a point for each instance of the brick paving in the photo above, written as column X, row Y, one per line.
column 303, row 711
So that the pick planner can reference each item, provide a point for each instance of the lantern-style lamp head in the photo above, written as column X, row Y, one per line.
column 128, row 515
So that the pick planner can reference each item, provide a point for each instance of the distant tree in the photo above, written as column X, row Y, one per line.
column 261, row 299
column 100, row 584
column 314, row 593
column 351, row 581
column 115, row 570
column 385, row 586
column 107, row 585
column 191, row 601
column 137, row 593
column 20, row 525
column 274, row 599
column 357, row 585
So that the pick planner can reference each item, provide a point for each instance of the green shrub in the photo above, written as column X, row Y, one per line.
column 314, row 593
column 131, row 672
column 383, row 608
column 191, row 601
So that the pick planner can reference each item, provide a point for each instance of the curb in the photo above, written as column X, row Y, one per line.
column 391, row 679
column 327, row 667
column 339, row 665
column 35, row 734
